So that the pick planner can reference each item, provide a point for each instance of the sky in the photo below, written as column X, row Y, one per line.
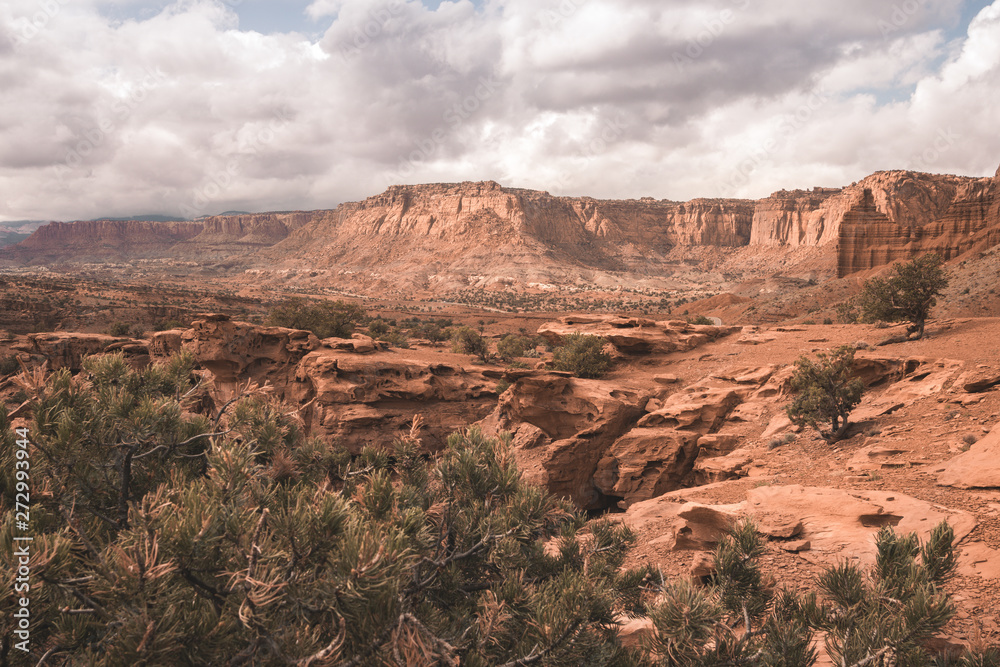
column 194, row 107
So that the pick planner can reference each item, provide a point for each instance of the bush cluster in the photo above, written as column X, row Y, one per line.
column 326, row 319
column 582, row 355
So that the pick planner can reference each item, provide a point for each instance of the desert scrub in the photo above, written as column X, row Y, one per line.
column 583, row 356
column 326, row 319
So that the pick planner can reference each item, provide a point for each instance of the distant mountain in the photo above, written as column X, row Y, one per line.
column 21, row 226
column 445, row 237
column 145, row 218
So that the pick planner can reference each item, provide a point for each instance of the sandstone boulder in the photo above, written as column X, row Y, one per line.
column 577, row 421
column 978, row 468
column 235, row 351
column 373, row 398
column 701, row 410
column 645, row 463
column 828, row 525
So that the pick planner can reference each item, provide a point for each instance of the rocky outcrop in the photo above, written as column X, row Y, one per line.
column 349, row 391
column 443, row 237
column 563, row 427
column 633, row 335
column 68, row 349
column 358, row 399
column 978, row 468
column 836, row 524
column 234, row 352
column 101, row 240
column 870, row 237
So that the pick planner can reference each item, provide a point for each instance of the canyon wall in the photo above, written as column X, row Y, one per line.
column 872, row 235
column 447, row 236
column 101, row 240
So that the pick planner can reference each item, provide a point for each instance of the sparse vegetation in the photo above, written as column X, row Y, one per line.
column 9, row 365
column 700, row 319
column 906, row 295
column 826, row 394
column 467, row 340
column 583, row 356
column 882, row 617
column 513, row 346
column 326, row 319
column 255, row 543
column 120, row 329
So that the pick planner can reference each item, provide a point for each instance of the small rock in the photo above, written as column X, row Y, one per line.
column 703, row 565
column 796, row 547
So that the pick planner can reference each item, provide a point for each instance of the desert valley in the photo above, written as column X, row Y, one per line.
column 703, row 308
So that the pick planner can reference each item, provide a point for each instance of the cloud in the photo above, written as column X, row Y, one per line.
column 177, row 110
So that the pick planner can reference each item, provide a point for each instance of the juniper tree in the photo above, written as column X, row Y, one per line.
column 907, row 294
column 826, row 394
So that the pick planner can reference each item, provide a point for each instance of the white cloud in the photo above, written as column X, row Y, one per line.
column 182, row 111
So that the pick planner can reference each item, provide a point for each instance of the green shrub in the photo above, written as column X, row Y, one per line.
column 701, row 319
column 166, row 325
column 906, row 295
column 121, row 329
column 466, row 340
column 583, row 356
column 826, row 394
column 326, row 319
column 168, row 539
column 512, row 346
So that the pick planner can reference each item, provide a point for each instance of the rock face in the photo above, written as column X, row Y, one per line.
column 978, row 468
column 348, row 391
column 633, row 335
column 452, row 236
column 563, row 427
column 370, row 399
column 67, row 350
column 871, row 234
column 101, row 240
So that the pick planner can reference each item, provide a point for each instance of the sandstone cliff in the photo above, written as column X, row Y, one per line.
column 428, row 232
column 101, row 240
column 960, row 217
column 442, row 237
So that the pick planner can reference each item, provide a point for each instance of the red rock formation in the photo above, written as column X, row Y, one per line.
column 346, row 390
column 450, row 236
column 869, row 238
column 101, row 240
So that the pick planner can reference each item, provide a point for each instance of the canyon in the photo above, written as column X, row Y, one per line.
column 442, row 238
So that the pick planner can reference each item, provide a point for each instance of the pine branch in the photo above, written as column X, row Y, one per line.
column 536, row 655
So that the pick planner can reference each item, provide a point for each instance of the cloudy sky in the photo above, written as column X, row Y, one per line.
column 193, row 107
